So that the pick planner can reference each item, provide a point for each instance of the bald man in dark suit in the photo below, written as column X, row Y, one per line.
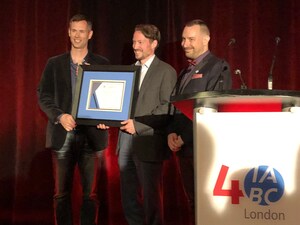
column 205, row 72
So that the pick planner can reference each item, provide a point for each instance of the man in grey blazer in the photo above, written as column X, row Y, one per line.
column 205, row 72
column 142, row 140
column 70, row 144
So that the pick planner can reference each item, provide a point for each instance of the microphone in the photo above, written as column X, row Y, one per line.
column 243, row 84
column 231, row 42
column 270, row 77
column 221, row 78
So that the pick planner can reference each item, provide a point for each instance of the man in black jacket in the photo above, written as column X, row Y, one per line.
column 205, row 72
column 71, row 144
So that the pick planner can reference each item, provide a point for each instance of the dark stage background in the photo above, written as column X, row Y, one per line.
column 34, row 30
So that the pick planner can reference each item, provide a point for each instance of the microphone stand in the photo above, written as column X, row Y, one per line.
column 270, row 77
column 243, row 84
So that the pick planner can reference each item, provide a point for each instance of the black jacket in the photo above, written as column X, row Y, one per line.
column 210, row 74
column 55, row 97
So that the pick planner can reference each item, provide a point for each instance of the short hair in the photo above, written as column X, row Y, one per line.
column 203, row 26
column 150, row 31
column 81, row 17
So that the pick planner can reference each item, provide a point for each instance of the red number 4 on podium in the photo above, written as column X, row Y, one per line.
column 235, row 193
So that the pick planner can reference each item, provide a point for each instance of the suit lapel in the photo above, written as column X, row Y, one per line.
column 195, row 70
column 66, row 73
column 146, row 82
column 150, row 73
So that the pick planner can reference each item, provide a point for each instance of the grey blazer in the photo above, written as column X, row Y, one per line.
column 152, row 112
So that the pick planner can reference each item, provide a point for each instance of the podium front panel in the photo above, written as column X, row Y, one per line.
column 247, row 168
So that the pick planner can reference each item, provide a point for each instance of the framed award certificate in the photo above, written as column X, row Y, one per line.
column 105, row 94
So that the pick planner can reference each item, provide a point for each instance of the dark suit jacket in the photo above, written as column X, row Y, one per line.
column 152, row 112
column 210, row 74
column 55, row 98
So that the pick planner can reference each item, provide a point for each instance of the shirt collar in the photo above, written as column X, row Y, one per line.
column 84, row 62
column 147, row 63
column 201, row 57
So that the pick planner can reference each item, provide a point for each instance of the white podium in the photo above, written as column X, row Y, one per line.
column 247, row 156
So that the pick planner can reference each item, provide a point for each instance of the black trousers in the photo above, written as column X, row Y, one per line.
column 141, row 186
column 75, row 151
column 186, row 170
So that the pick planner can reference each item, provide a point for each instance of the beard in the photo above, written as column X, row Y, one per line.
column 138, row 54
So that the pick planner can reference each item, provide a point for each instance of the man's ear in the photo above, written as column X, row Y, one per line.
column 154, row 44
column 91, row 34
column 206, row 39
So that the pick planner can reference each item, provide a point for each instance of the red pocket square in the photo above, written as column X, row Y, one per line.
column 197, row 75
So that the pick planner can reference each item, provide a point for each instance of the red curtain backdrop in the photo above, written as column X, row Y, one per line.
column 33, row 31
